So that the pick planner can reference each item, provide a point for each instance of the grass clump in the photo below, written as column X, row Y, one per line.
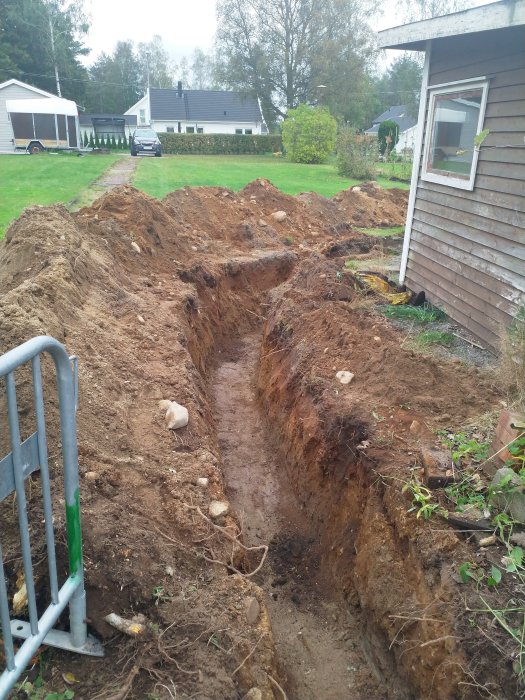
column 421, row 315
column 386, row 232
column 435, row 338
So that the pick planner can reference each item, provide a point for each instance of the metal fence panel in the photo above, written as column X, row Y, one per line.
column 25, row 458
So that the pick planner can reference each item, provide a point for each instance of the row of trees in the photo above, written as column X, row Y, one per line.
column 283, row 52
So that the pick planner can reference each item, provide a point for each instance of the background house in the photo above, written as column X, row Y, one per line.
column 407, row 126
column 199, row 112
column 465, row 231
column 14, row 90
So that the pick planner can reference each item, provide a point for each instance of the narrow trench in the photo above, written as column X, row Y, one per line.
column 317, row 639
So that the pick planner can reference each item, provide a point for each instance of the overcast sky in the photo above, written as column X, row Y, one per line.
column 183, row 26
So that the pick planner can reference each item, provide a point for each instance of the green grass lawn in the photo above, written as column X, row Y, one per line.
column 158, row 176
column 45, row 179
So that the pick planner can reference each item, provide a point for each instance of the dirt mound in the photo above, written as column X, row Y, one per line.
column 369, row 206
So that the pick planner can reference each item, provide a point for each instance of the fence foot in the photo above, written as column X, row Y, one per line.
column 59, row 639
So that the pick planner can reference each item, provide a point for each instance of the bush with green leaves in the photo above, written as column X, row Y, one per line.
column 387, row 136
column 356, row 154
column 91, row 140
column 309, row 134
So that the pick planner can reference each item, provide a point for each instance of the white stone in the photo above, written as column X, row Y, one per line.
column 279, row 215
column 344, row 377
column 176, row 415
column 140, row 319
column 135, row 247
column 262, row 223
column 356, row 189
column 203, row 482
column 217, row 509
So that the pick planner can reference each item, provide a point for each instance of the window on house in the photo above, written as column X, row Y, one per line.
column 455, row 117
column 238, row 131
column 170, row 129
column 142, row 116
column 200, row 130
column 247, row 131
column 190, row 129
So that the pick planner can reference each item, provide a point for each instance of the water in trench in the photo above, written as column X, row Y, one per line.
column 316, row 637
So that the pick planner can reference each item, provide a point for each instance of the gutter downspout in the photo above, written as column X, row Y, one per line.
column 418, row 148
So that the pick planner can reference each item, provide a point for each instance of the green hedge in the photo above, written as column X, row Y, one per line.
column 221, row 144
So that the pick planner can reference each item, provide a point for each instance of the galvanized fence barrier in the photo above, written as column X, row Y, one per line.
column 23, row 459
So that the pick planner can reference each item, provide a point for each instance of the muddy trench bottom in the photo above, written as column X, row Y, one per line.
column 317, row 636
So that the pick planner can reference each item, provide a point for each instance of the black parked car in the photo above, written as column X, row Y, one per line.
column 145, row 140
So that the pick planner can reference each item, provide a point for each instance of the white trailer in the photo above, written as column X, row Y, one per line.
column 44, row 123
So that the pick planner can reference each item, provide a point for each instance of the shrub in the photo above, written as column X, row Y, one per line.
column 309, row 134
column 124, row 141
column 113, row 142
column 97, row 141
column 85, row 140
column 119, row 143
column 91, row 141
column 220, row 144
column 356, row 154
column 387, row 136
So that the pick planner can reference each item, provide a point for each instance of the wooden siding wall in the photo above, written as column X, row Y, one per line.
column 467, row 249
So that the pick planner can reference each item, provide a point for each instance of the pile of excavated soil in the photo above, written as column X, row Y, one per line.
column 145, row 293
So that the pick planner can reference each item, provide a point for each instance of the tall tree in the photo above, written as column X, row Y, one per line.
column 156, row 69
column 202, row 71
column 400, row 84
column 281, row 50
column 40, row 41
column 115, row 81
column 415, row 10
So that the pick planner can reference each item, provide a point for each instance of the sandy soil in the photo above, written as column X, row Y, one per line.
column 243, row 319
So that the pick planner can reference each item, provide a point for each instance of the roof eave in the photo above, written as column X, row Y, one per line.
column 413, row 37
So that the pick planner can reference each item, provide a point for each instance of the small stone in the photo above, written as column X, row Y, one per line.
column 437, row 464
column 488, row 541
column 344, row 377
column 91, row 476
column 203, row 482
column 356, row 189
column 253, row 694
column 279, row 215
column 169, row 571
column 140, row 319
column 135, row 247
column 377, row 340
column 217, row 509
column 252, row 609
column 415, row 427
column 176, row 415
column 262, row 223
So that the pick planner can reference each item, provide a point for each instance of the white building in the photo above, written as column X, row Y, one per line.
column 199, row 112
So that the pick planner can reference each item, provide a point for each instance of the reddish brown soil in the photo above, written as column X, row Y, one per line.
column 148, row 326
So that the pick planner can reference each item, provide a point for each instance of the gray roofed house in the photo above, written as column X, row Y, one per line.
column 199, row 111
column 407, row 125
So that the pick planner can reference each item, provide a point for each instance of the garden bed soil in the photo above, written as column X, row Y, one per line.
column 162, row 319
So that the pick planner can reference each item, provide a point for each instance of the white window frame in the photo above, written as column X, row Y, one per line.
column 434, row 91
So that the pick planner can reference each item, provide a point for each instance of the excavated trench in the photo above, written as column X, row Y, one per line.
column 317, row 639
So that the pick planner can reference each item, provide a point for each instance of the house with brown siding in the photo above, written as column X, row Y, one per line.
column 465, row 231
